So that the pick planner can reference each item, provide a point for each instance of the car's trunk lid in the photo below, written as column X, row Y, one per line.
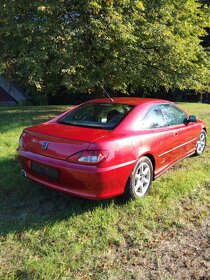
column 61, row 141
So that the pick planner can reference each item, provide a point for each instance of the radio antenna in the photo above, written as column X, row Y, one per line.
column 106, row 92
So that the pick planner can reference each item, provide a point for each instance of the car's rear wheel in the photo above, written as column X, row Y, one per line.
column 140, row 179
column 201, row 143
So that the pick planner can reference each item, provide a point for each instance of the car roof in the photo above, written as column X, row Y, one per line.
column 130, row 100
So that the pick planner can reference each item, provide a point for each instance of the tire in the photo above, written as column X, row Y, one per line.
column 140, row 179
column 201, row 143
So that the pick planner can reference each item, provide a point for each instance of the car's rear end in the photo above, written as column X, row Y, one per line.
column 75, row 158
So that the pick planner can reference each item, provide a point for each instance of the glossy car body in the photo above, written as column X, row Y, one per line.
column 146, row 131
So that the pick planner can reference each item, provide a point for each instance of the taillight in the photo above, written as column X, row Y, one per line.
column 89, row 157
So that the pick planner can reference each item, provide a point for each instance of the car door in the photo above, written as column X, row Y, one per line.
column 184, row 139
column 158, row 138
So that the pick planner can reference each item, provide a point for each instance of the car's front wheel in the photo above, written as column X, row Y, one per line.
column 140, row 179
column 201, row 143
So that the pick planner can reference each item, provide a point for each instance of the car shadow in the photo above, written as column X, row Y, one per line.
column 25, row 205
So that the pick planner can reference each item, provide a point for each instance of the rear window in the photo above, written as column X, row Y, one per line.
column 98, row 115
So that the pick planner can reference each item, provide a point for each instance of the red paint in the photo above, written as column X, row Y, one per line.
column 125, row 145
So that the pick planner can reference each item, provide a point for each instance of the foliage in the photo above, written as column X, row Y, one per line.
column 123, row 44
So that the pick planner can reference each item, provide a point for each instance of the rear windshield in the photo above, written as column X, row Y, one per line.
column 98, row 115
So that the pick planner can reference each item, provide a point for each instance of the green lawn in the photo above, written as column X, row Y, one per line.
column 45, row 234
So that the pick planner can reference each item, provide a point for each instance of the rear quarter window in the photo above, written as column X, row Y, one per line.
column 154, row 119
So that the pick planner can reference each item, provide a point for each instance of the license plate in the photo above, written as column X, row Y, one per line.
column 45, row 171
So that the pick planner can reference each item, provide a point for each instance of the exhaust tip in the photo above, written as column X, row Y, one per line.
column 23, row 173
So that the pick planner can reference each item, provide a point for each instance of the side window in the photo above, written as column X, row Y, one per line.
column 173, row 115
column 154, row 119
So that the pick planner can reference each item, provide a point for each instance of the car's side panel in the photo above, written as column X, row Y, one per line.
column 167, row 145
column 155, row 142
column 185, row 140
column 167, row 154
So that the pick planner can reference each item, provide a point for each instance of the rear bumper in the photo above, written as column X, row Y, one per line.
column 81, row 180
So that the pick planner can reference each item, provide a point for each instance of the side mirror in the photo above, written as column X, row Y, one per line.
column 191, row 119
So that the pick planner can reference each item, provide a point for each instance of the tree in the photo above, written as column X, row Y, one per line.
column 124, row 44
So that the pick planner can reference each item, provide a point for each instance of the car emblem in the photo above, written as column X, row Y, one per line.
column 45, row 145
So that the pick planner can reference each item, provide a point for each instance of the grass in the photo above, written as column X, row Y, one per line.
column 45, row 234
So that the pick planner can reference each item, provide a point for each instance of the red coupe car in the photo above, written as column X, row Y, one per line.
column 104, row 148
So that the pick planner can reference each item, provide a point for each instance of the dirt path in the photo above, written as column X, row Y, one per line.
column 176, row 254
column 182, row 254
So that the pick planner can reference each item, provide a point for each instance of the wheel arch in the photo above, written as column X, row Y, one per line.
column 204, row 128
column 152, row 158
